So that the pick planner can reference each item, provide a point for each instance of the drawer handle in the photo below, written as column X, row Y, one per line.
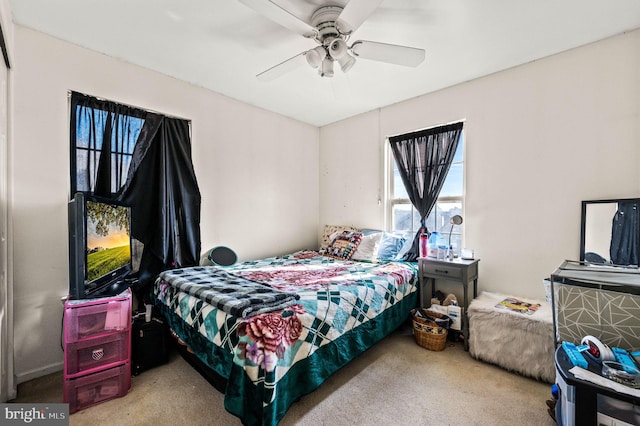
column 97, row 354
column 442, row 271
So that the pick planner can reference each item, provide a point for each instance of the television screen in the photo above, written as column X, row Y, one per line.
column 99, row 246
column 108, row 241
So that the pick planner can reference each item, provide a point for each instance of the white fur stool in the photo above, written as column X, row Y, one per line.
column 513, row 340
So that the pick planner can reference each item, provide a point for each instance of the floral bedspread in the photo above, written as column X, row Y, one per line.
column 338, row 316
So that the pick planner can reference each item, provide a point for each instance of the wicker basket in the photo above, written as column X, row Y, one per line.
column 428, row 334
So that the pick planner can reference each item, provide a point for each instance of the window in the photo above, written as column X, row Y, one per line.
column 403, row 217
column 92, row 122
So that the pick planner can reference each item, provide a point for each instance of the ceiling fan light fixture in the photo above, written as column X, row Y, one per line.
column 315, row 56
column 346, row 62
column 326, row 69
column 331, row 27
column 337, row 48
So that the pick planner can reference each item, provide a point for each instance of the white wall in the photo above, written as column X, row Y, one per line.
column 257, row 171
column 539, row 139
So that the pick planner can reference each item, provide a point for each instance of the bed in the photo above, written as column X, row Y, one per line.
column 332, row 311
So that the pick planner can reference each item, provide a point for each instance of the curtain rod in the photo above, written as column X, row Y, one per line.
column 69, row 92
column 463, row 120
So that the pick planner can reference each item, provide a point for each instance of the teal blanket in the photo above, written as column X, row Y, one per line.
column 270, row 360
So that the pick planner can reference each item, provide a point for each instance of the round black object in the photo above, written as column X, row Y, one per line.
column 222, row 256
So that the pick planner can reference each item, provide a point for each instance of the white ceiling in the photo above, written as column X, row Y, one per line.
column 222, row 44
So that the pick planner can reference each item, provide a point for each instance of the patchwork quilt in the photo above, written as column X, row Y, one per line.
column 273, row 358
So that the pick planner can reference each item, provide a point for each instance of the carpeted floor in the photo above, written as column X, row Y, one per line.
column 396, row 382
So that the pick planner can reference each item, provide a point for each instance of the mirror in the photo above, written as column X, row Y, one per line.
column 610, row 231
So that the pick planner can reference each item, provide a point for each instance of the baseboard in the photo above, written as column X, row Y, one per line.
column 39, row 372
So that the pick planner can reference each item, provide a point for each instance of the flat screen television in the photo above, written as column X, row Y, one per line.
column 99, row 247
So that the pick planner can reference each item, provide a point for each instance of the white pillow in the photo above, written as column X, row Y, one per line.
column 368, row 248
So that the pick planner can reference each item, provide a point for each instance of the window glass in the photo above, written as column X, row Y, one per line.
column 90, row 127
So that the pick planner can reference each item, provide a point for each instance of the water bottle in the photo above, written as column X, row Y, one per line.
column 424, row 244
column 433, row 245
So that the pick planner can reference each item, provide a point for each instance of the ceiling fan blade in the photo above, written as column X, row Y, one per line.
column 355, row 13
column 283, row 67
column 390, row 53
column 281, row 16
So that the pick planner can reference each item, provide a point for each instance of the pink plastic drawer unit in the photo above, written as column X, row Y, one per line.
column 91, row 389
column 84, row 320
column 90, row 354
column 97, row 350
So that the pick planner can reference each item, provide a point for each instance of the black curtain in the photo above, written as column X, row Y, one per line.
column 625, row 234
column 423, row 159
column 163, row 193
column 160, row 184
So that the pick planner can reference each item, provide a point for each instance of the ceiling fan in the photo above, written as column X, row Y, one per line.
column 331, row 26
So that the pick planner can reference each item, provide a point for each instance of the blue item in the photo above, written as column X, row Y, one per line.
column 390, row 245
column 554, row 391
column 623, row 358
column 433, row 239
column 575, row 356
column 433, row 244
column 443, row 246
